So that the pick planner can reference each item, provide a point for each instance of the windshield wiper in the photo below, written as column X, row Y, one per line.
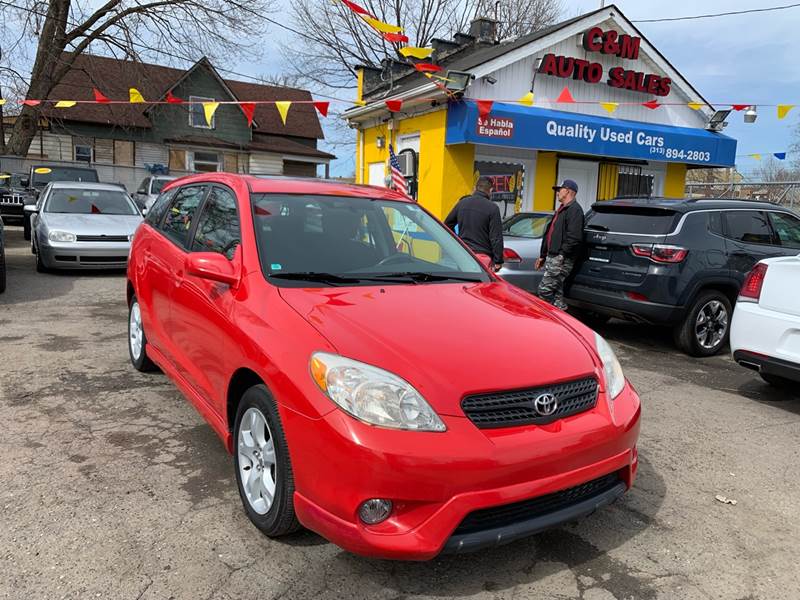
column 421, row 276
column 314, row 276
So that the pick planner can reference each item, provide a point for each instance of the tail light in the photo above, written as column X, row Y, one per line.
column 637, row 296
column 751, row 290
column 660, row 253
column 510, row 256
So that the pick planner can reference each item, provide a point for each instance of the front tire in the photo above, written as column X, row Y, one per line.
column 40, row 266
column 705, row 329
column 137, row 340
column 26, row 227
column 263, row 467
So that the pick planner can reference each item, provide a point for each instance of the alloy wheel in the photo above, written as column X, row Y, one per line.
column 257, row 468
column 135, row 331
column 711, row 324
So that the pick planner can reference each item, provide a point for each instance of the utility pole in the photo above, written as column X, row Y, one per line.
column 2, row 119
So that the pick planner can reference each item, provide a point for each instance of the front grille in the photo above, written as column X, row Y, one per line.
column 104, row 259
column 15, row 200
column 510, row 409
column 509, row 514
column 102, row 238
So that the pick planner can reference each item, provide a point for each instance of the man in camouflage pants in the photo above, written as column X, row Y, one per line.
column 561, row 245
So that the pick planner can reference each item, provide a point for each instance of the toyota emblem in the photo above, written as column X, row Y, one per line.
column 545, row 404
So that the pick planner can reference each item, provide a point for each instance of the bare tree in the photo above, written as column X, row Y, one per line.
column 333, row 40
column 131, row 29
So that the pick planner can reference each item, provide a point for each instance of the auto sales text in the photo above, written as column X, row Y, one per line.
column 606, row 134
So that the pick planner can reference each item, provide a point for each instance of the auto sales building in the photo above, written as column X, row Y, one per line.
column 635, row 128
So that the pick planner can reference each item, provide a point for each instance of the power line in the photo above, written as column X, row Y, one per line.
column 714, row 15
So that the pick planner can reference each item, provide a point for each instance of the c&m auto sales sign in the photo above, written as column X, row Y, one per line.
column 495, row 127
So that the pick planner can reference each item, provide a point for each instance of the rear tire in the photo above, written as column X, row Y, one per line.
column 706, row 328
column 262, row 464
column 777, row 381
column 137, row 340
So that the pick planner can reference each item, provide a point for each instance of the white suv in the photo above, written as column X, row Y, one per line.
column 765, row 332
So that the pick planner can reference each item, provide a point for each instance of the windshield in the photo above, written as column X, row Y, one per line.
column 90, row 202
column 11, row 180
column 158, row 185
column 528, row 226
column 306, row 240
column 48, row 174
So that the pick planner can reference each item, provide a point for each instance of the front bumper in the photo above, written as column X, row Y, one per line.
column 617, row 304
column 435, row 480
column 84, row 255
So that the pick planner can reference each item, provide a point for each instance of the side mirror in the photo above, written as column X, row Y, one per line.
column 485, row 260
column 213, row 266
column 30, row 209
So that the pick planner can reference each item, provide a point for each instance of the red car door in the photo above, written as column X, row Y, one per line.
column 201, row 308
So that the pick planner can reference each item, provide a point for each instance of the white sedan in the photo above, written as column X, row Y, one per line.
column 765, row 332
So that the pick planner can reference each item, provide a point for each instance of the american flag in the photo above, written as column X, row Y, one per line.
column 398, row 181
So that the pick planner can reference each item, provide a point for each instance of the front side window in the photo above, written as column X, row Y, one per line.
column 143, row 187
column 330, row 240
column 748, row 226
column 181, row 213
column 528, row 226
column 197, row 116
column 218, row 226
column 89, row 202
column 787, row 228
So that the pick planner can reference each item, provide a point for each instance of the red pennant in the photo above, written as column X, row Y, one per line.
column 99, row 97
column 249, row 109
column 355, row 8
column 173, row 99
column 394, row 105
column 740, row 106
column 652, row 104
column 395, row 38
column 95, row 210
column 565, row 96
column 484, row 108
column 31, row 102
column 322, row 108
column 427, row 68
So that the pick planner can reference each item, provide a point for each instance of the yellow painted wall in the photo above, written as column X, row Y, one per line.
column 675, row 181
column 607, row 181
column 546, row 173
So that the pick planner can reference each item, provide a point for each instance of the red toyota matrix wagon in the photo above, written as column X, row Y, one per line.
column 374, row 382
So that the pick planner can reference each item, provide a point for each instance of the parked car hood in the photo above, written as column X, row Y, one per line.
column 448, row 340
column 93, row 224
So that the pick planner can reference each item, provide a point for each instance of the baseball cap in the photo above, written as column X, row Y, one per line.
column 569, row 184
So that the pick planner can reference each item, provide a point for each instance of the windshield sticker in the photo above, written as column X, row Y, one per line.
column 43, row 170
column 72, row 198
column 276, row 266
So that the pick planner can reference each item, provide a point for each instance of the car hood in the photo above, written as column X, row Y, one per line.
column 448, row 340
column 93, row 224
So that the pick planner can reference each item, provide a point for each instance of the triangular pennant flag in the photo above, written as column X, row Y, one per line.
column 209, row 108
column 395, row 38
column 249, row 109
column 394, row 105
column 427, row 68
column 2, row 101
column 99, row 96
column 484, row 108
column 696, row 105
column 739, row 106
column 756, row 156
column 381, row 26
column 780, row 155
column 783, row 110
column 652, row 104
column 136, row 96
column 65, row 103
column 610, row 107
column 565, row 96
column 173, row 99
column 31, row 102
column 283, row 109
column 527, row 99
column 322, row 108
column 355, row 8
column 360, row 103
column 416, row 52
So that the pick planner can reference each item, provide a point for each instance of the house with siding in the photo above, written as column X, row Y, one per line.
column 155, row 137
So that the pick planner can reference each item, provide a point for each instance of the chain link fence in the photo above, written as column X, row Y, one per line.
column 784, row 193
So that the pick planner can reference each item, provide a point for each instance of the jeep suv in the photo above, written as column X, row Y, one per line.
column 677, row 262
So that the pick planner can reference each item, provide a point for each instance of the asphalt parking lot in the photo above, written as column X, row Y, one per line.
column 114, row 487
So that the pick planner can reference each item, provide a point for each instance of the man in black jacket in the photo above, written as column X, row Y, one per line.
column 479, row 224
column 561, row 245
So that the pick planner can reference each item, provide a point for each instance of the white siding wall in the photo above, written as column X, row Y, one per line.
column 151, row 154
column 265, row 163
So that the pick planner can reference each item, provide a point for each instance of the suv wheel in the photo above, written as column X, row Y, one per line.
column 263, row 466
column 137, row 340
column 706, row 327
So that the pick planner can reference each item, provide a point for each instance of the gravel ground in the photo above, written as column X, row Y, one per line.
column 114, row 487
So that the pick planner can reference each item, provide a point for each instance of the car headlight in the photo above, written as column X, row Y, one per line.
column 372, row 395
column 61, row 236
column 615, row 379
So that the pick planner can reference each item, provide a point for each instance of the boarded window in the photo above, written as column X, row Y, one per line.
column 104, row 151
column 123, row 153
column 299, row 169
column 231, row 163
column 177, row 160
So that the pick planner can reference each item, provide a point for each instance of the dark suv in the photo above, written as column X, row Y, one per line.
column 677, row 262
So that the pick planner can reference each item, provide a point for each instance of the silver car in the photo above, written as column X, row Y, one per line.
column 82, row 225
column 149, row 190
column 522, row 240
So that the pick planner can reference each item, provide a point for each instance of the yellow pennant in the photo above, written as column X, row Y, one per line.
column 136, row 96
column 2, row 101
column 360, row 103
column 696, row 105
column 527, row 99
column 756, row 156
column 65, row 103
column 783, row 110
column 209, row 108
column 610, row 107
column 283, row 109
column 416, row 52
column 381, row 26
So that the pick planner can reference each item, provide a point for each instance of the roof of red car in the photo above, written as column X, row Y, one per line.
column 296, row 185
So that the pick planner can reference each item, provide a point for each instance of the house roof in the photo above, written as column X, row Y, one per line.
column 114, row 77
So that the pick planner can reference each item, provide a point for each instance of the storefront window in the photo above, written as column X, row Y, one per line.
column 507, row 179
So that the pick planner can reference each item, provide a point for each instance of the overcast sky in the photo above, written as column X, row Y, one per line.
column 734, row 59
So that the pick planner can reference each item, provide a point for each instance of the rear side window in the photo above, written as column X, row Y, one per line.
column 156, row 213
column 787, row 228
column 182, row 212
column 748, row 226
column 631, row 219
column 715, row 223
